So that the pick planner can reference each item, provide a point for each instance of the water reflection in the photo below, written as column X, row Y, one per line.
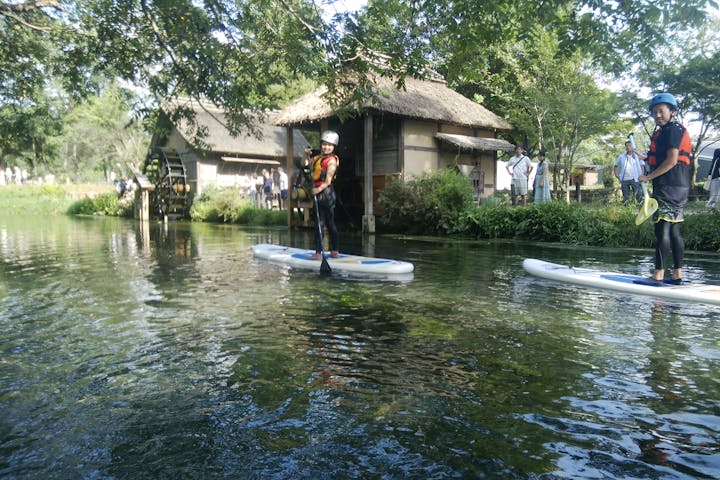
column 168, row 351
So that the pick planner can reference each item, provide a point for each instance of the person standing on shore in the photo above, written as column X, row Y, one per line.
column 714, row 177
column 519, row 167
column 628, row 168
column 541, row 189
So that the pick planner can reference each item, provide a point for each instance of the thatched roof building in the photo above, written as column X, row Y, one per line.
column 213, row 154
column 402, row 132
column 209, row 131
column 420, row 99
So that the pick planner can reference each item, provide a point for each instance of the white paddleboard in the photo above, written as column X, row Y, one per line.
column 690, row 292
column 300, row 258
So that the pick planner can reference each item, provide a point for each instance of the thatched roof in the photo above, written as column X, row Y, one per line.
column 420, row 99
column 465, row 142
column 211, row 121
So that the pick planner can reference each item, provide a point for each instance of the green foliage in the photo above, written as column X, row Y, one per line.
column 608, row 181
column 574, row 223
column 86, row 206
column 106, row 204
column 430, row 203
column 53, row 199
column 216, row 205
column 702, row 231
column 228, row 206
column 695, row 83
column 99, row 136
column 601, row 225
column 258, row 54
column 26, row 52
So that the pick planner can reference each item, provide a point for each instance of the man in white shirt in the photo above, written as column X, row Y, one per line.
column 283, row 182
column 519, row 167
column 628, row 167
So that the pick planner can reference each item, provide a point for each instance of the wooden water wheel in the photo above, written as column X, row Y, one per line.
column 170, row 197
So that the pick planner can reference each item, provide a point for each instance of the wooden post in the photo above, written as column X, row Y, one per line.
column 142, row 197
column 289, row 157
column 368, row 223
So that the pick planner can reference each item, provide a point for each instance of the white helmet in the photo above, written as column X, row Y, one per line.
column 330, row 137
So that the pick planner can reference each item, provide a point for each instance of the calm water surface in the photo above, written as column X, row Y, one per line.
column 172, row 353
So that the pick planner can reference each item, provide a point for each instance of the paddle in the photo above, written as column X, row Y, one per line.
column 649, row 206
column 324, row 265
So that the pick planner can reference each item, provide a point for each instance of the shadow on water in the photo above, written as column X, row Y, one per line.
column 170, row 352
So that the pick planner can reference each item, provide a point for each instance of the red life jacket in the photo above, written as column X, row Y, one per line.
column 320, row 166
column 685, row 149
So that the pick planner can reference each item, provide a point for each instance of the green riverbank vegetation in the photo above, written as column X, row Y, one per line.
column 438, row 203
column 110, row 204
column 441, row 203
column 228, row 206
column 51, row 199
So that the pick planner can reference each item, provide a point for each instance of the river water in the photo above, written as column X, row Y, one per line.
column 131, row 353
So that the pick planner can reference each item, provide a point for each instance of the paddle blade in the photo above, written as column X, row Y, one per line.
column 649, row 206
column 325, row 267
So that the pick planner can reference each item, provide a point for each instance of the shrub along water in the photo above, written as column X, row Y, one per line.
column 429, row 204
column 440, row 203
column 105, row 204
column 437, row 203
column 228, row 206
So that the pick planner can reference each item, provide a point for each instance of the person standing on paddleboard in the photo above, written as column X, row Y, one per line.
column 323, row 168
column 519, row 167
column 670, row 169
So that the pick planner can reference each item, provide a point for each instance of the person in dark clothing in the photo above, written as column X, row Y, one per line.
column 323, row 168
column 714, row 178
column 670, row 169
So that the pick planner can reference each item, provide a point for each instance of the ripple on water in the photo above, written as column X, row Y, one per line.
column 178, row 355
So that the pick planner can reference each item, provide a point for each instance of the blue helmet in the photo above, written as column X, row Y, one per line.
column 663, row 98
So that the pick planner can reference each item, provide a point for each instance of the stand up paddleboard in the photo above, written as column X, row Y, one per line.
column 300, row 258
column 691, row 292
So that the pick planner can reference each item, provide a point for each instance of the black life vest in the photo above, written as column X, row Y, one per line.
column 685, row 149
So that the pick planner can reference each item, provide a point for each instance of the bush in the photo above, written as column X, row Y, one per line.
column 216, row 205
column 431, row 203
column 701, row 231
column 580, row 224
column 104, row 204
column 228, row 206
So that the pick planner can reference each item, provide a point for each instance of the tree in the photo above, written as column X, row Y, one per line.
column 27, row 130
column 697, row 86
column 581, row 111
column 244, row 55
column 240, row 55
column 26, row 49
column 692, row 79
column 99, row 136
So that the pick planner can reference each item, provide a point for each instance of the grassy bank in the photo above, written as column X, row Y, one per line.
column 46, row 199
